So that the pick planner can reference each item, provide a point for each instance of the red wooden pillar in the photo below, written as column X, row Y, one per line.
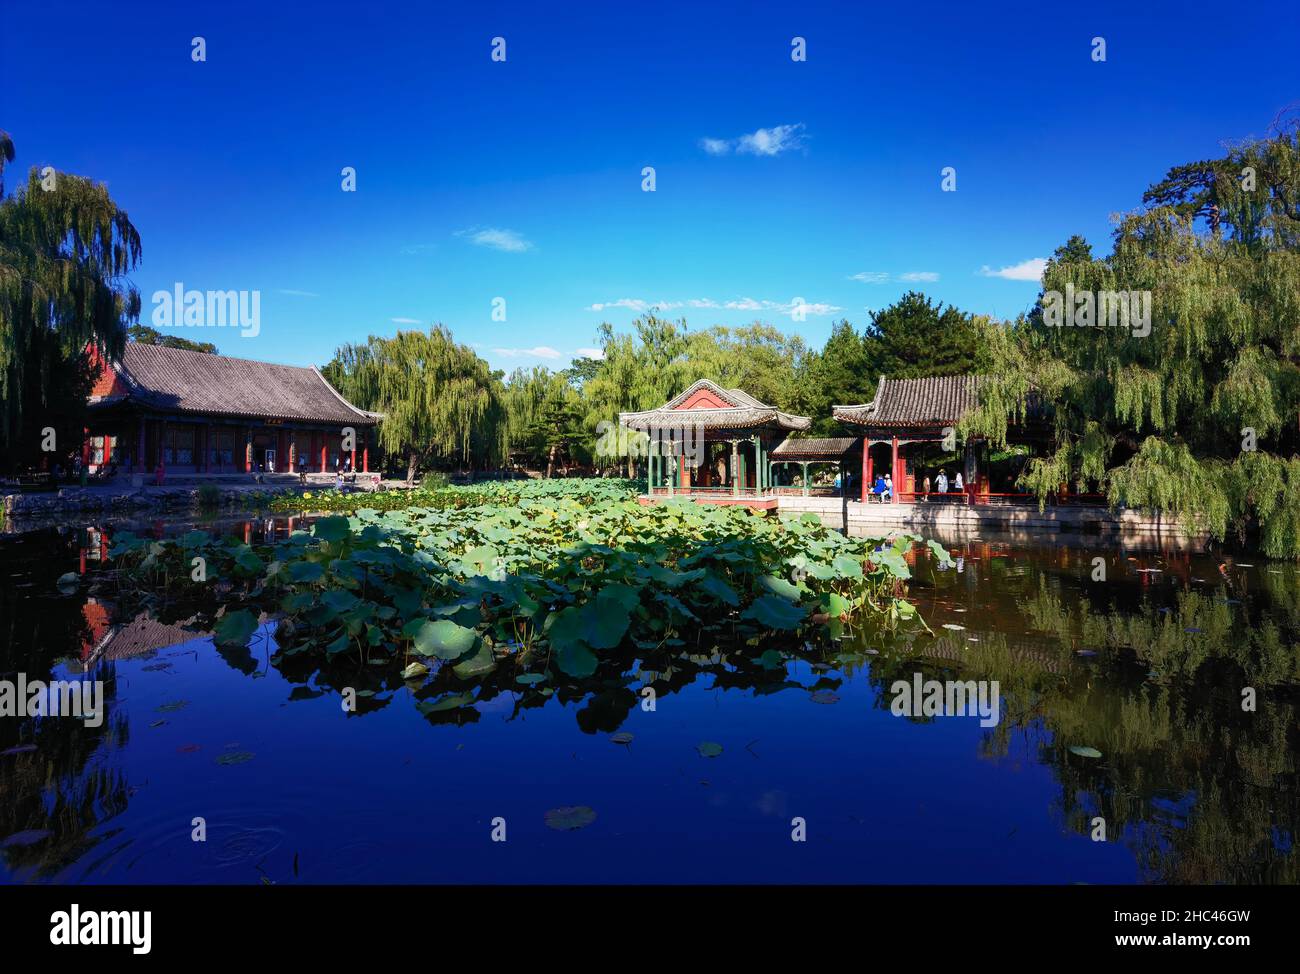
column 869, row 480
column 141, row 461
column 324, row 446
column 893, row 473
column 248, row 450
column 365, row 456
column 85, row 447
column 866, row 467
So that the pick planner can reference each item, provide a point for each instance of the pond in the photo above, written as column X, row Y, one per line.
column 1147, row 733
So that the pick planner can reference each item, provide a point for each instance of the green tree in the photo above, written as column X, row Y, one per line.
column 837, row 375
column 915, row 337
column 441, row 403
column 152, row 336
column 65, row 252
column 545, row 418
column 1197, row 416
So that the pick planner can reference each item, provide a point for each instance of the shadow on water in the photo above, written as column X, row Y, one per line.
column 1160, row 702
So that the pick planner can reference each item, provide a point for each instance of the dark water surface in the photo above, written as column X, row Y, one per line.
column 1147, row 667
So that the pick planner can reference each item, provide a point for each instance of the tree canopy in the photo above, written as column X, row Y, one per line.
column 1195, row 415
column 440, row 401
column 65, row 251
column 152, row 336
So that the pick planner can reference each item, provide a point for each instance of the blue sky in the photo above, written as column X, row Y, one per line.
column 521, row 179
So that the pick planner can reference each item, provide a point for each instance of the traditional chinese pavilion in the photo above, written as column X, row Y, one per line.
column 194, row 412
column 906, row 412
column 713, row 443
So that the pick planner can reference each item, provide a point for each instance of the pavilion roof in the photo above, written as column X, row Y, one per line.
column 811, row 448
column 180, row 380
column 709, row 405
column 933, row 401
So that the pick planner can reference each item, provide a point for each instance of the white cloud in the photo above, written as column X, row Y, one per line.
column 405, row 321
column 299, row 294
column 884, row 277
column 735, row 304
column 596, row 353
column 634, row 304
column 510, row 241
column 1026, row 270
column 541, row 351
column 762, row 142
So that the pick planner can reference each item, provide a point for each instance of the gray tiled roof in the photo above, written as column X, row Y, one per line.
column 742, row 412
column 196, row 382
column 813, row 449
column 934, row 401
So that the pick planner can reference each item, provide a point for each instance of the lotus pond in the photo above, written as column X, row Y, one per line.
column 638, row 695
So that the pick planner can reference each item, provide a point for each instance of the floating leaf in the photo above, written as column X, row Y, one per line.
column 331, row 529
column 570, row 818
column 775, row 612
column 414, row 671
column 450, row 701
column 235, row 628
column 479, row 664
column 530, row 679
column 576, row 660
column 1085, row 752
column 709, row 749
column 235, row 757
column 444, row 639
column 622, row 737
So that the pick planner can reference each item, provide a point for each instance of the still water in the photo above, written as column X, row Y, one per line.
column 1175, row 678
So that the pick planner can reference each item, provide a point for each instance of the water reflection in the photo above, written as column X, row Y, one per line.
column 1148, row 661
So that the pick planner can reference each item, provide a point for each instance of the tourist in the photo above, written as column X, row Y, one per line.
column 957, row 485
column 889, row 489
column 879, row 489
column 926, row 487
column 941, row 482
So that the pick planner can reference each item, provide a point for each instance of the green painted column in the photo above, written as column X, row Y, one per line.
column 735, row 469
column 672, row 472
column 805, row 477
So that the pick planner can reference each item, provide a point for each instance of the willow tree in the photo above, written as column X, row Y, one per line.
column 1192, row 409
column 544, row 417
column 638, row 371
column 758, row 358
column 65, row 252
column 441, row 403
